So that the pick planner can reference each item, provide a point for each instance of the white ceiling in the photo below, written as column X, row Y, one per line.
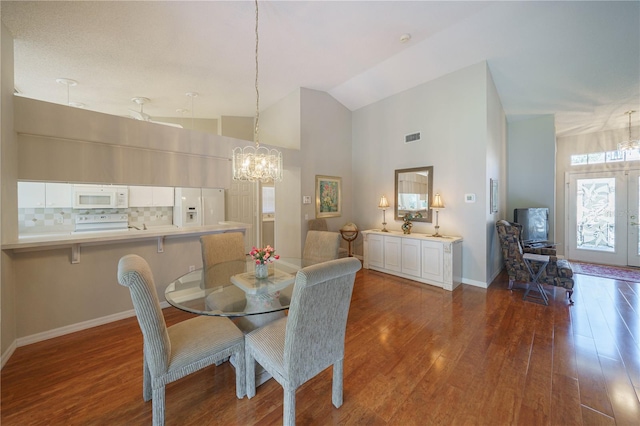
column 577, row 60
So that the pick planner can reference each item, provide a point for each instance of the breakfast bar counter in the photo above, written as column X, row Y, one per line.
column 74, row 240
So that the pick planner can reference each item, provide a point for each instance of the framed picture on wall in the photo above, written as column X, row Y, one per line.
column 493, row 188
column 328, row 196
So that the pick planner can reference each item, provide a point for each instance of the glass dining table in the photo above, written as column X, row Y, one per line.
column 231, row 289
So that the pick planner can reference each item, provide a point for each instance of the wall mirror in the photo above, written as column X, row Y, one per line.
column 414, row 190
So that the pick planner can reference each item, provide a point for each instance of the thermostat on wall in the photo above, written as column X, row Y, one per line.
column 469, row 198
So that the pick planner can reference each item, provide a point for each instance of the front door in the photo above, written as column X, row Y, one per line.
column 603, row 208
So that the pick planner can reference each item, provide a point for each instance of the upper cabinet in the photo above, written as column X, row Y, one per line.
column 41, row 195
column 150, row 196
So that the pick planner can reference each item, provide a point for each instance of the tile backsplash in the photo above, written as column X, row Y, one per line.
column 47, row 220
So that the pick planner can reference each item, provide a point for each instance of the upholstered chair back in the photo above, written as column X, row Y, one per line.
column 318, row 225
column 222, row 256
column 315, row 331
column 320, row 246
column 134, row 273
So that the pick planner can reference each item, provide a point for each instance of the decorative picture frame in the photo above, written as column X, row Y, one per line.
column 328, row 196
column 493, row 190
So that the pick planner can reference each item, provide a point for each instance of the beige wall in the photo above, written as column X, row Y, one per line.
column 237, row 127
column 8, row 194
column 532, row 167
column 54, row 293
column 453, row 114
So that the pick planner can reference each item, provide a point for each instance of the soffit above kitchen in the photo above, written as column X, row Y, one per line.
column 577, row 60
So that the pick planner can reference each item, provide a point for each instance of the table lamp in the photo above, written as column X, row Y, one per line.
column 384, row 205
column 437, row 205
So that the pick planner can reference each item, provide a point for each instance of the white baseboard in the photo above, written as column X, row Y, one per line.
column 7, row 354
column 474, row 283
column 57, row 332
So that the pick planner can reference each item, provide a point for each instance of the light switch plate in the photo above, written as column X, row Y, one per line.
column 469, row 198
column 306, row 199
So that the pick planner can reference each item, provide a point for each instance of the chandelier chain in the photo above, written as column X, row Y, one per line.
column 257, row 128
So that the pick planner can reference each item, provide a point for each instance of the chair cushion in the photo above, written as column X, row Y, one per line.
column 268, row 342
column 193, row 340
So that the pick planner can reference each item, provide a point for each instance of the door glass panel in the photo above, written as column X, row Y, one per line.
column 596, row 214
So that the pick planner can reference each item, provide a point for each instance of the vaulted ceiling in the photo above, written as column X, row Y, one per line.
column 577, row 60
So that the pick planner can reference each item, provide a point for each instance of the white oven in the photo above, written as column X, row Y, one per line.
column 100, row 197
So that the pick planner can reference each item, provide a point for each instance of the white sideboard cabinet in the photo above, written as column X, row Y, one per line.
column 420, row 257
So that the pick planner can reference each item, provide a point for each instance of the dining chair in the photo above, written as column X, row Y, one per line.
column 222, row 257
column 320, row 246
column 298, row 347
column 321, row 225
column 170, row 353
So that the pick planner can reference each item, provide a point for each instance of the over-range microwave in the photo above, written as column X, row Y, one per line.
column 100, row 197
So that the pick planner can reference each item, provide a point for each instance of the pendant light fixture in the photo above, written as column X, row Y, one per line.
column 630, row 144
column 257, row 163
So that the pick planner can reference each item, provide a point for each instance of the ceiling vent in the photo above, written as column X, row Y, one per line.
column 412, row 137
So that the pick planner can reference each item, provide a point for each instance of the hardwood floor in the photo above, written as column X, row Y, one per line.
column 415, row 354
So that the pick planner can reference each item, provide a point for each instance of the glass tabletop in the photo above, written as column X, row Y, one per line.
column 231, row 289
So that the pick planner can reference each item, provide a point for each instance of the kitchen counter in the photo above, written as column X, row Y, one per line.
column 75, row 240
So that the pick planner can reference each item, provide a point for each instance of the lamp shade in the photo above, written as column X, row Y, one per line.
column 437, row 202
column 384, row 204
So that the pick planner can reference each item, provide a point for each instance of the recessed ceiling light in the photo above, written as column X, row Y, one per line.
column 405, row 38
column 77, row 104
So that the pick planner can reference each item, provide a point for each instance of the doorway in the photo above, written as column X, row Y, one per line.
column 603, row 217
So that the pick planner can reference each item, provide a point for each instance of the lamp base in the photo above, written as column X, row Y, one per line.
column 437, row 234
column 384, row 227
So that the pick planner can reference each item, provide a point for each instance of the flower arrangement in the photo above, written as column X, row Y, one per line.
column 263, row 256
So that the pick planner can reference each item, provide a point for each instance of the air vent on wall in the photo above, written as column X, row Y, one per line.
column 413, row 137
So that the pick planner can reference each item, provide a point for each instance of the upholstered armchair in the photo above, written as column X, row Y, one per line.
column 558, row 272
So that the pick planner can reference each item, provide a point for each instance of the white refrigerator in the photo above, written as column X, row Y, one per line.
column 198, row 207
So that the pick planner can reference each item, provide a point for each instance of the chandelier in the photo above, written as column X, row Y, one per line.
column 629, row 144
column 257, row 163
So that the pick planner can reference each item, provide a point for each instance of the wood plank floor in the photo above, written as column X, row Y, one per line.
column 415, row 355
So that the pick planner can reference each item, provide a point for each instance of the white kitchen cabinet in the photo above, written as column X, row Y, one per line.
column 45, row 194
column 150, row 196
column 58, row 195
column 31, row 195
column 163, row 196
column 419, row 257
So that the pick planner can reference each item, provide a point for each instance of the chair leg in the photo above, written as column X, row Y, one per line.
column 241, row 388
column 158, row 406
column 336, row 389
column 569, row 294
column 146, row 381
column 289, row 409
column 249, row 373
column 510, row 284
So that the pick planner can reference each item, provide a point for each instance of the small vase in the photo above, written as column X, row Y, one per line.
column 406, row 227
column 262, row 270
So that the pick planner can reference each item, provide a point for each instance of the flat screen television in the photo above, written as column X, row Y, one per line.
column 535, row 224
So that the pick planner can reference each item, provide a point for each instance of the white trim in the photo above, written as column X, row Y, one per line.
column 68, row 329
column 5, row 356
column 475, row 283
